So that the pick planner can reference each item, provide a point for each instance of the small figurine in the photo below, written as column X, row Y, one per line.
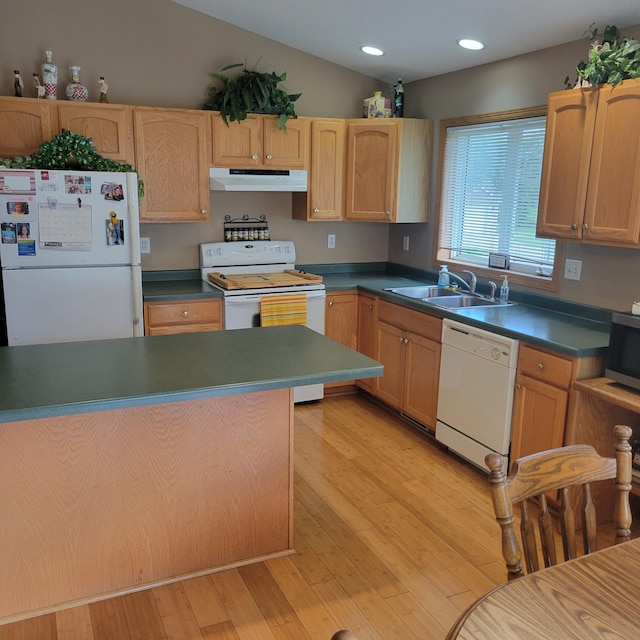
column 103, row 89
column 17, row 83
column 38, row 89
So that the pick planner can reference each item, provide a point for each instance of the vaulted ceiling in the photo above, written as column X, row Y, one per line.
column 419, row 36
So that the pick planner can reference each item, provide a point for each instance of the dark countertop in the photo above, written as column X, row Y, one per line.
column 573, row 329
column 41, row 381
column 566, row 333
column 176, row 285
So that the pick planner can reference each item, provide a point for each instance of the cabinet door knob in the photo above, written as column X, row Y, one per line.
column 370, row 307
column 185, row 314
column 269, row 156
column 203, row 212
column 574, row 226
column 387, row 213
column 316, row 210
column 540, row 365
column 254, row 156
column 331, row 304
column 585, row 227
column 518, row 385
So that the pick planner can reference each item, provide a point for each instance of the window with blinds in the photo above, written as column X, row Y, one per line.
column 489, row 195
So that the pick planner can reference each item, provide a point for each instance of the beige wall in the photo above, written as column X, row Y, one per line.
column 609, row 275
column 157, row 53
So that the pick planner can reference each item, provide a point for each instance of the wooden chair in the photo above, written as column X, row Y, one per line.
column 557, row 470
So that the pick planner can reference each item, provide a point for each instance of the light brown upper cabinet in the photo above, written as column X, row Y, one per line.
column 323, row 199
column 590, row 188
column 110, row 127
column 387, row 173
column 173, row 156
column 258, row 143
column 25, row 124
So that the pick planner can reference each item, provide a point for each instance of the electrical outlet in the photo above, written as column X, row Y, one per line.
column 405, row 243
column 145, row 245
column 572, row 269
column 331, row 241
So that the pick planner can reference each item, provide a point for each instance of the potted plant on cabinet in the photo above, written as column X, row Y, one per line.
column 611, row 60
column 251, row 92
column 68, row 150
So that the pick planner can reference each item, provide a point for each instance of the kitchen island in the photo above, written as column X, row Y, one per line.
column 130, row 463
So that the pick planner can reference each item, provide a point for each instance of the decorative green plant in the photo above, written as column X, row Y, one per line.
column 251, row 92
column 69, row 150
column 614, row 59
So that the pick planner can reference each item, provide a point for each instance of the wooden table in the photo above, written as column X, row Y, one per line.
column 594, row 596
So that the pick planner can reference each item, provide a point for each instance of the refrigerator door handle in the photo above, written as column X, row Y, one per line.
column 138, row 307
column 133, row 209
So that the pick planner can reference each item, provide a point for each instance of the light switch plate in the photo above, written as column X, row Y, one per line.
column 331, row 241
column 572, row 269
column 405, row 243
column 145, row 245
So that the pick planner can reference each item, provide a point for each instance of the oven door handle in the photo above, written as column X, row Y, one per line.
column 244, row 299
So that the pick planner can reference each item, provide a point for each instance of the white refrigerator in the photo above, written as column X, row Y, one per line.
column 70, row 255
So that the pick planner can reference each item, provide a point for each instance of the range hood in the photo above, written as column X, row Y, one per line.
column 257, row 180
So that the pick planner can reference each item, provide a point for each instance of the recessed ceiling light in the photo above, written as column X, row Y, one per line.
column 372, row 51
column 474, row 45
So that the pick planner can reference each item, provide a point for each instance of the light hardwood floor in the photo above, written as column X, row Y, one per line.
column 394, row 538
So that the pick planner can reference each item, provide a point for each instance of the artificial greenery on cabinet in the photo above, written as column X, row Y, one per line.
column 68, row 150
column 612, row 59
column 251, row 92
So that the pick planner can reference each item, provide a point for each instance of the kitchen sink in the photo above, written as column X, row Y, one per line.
column 422, row 292
column 463, row 301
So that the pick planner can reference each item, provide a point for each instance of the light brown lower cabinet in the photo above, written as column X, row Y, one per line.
column 367, row 314
column 408, row 346
column 182, row 316
column 541, row 399
column 341, row 323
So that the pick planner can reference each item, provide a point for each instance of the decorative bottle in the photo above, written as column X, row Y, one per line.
column 398, row 100
column 504, row 290
column 103, row 90
column 17, row 83
column 50, row 77
column 75, row 90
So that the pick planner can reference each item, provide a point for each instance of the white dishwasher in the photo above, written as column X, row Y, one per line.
column 475, row 392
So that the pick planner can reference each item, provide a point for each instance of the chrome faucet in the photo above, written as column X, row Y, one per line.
column 471, row 285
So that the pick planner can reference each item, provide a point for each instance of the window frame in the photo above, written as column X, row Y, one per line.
column 440, row 257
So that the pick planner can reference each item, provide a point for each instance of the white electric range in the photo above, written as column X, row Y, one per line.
column 270, row 261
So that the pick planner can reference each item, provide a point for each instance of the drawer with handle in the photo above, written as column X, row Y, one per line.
column 182, row 316
column 545, row 366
